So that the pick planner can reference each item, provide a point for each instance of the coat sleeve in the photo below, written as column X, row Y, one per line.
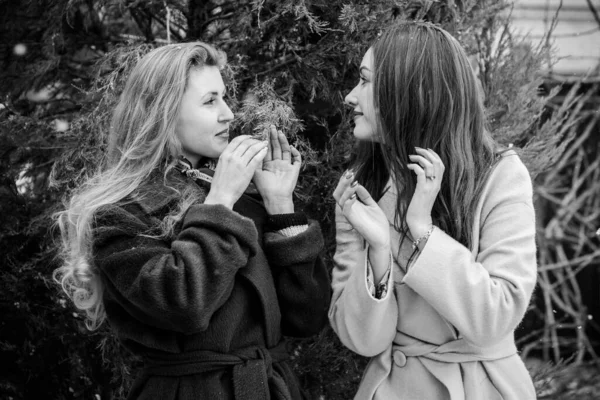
column 364, row 324
column 177, row 283
column 301, row 280
column 484, row 297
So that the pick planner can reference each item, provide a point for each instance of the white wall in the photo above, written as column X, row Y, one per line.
column 576, row 37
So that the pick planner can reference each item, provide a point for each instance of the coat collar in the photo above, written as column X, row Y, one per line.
column 162, row 191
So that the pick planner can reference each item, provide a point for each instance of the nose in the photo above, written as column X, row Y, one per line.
column 351, row 98
column 226, row 114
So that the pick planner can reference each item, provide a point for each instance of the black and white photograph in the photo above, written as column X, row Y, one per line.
column 300, row 199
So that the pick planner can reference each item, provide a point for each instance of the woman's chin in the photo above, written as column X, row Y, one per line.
column 362, row 135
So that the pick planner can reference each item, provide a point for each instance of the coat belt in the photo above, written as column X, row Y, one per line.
column 455, row 351
column 252, row 367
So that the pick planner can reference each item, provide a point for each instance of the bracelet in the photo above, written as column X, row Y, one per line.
column 424, row 237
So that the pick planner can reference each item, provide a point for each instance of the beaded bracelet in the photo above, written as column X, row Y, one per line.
column 424, row 237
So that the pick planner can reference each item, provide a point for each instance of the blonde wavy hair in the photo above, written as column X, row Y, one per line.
column 142, row 140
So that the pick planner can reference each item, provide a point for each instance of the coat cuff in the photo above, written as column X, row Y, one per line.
column 278, row 222
column 423, row 276
column 289, row 250
column 380, row 289
column 359, row 285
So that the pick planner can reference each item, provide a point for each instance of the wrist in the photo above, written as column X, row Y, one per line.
column 380, row 248
column 419, row 229
column 419, row 242
column 274, row 206
column 380, row 262
column 215, row 198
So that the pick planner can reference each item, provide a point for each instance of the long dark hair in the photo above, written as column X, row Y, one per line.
column 426, row 95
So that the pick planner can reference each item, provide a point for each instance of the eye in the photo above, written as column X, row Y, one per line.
column 211, row 101
column 362, row 81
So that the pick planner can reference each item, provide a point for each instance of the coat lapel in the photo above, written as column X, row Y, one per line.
column 258, row 273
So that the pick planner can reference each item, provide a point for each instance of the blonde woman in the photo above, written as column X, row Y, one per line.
column 449, row 264
column 188, row 243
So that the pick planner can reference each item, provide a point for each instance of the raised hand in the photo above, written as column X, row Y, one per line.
column 235, row 169
column 362, row 212
column 429, row 168
column 278, row 175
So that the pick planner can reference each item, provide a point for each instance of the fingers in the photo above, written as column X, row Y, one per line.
column 296, row 156
column 275, row 145
column 438, row 164
column 348, row 203
column 280, row 147
column 358, row 192
column 424, row 163
column 286, row 153
column 364, row 196
column 349, row 192
column 234, row 144
column 257, row 159
column 344, row 182
column 249, row 148
column 427, row 165
column 269, row 155
column 416, row 168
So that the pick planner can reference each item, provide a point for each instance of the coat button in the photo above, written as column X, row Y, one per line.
column 399, row 358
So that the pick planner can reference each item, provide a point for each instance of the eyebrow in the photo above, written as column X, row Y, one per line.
column 214, row 93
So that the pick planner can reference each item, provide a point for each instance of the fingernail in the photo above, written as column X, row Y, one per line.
column 354, row 183
column 349, row 175
column 353, row 196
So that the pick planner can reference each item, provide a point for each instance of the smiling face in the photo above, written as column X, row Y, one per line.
column 361, row 100
column 203, row 124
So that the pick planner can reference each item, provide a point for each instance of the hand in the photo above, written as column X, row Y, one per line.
column 235, row 169
column 362, row 212
column 429, row 168
column 277, row 177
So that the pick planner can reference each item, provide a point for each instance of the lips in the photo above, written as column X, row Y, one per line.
column 224, row 133
column 357, row 114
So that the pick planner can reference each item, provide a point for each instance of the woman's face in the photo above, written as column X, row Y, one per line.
column 361, row 100
column 203, row 124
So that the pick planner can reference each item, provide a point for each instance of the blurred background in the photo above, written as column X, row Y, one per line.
column 291, row 62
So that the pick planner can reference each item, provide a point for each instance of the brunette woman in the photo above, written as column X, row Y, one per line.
column 436, row 259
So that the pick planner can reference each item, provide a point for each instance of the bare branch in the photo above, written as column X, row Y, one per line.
column 595, row 12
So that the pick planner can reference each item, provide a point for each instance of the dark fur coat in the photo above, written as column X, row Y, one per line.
column 207, row 308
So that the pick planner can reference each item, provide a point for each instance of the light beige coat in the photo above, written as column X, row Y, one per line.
column 445, row 328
